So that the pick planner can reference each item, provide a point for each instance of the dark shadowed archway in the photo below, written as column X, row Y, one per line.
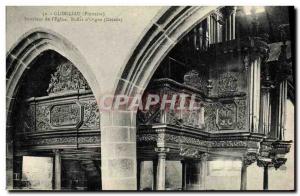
column 18, row 64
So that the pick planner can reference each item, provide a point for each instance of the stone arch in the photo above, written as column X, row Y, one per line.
column 163, row 34
column 18, row 62
column 118, row 128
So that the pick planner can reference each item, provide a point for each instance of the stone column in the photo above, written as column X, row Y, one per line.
column 281, row 111
column 266, row 178
column 161, row 168
column 247, row 160
column 265, row 164
column 265, row 111
column 57, row 170
column 244, row 177
column 18, row 162
column 118, row 150
column 233, row 22
column 139, row 174
column 183, row 163
column 253, row 65
column 154, row 169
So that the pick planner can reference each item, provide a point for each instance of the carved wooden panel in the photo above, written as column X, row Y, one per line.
column 227, row 82
column 226, row 116
column 210, row 110
column 53, row 119
column 42, row 117
column 91, row 115
column 65, row 115
column 58, row 114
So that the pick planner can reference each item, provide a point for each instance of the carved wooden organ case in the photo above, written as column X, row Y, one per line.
column 234, row 118
column 68, row 117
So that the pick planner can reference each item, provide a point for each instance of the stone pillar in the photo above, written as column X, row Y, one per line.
column 154, row 169
column 244, row 177
column 253, row 64
column 183, row 163
column 18, row 162
column 161, row 168
column 247, row 160
column 57, row 170
column 265, row 111
column 118, row 150
column 265, row 164
column 266, row 178
column 281, row 110
column 233, row 23
column 139, row 173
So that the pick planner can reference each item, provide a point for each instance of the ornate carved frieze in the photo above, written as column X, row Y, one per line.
column 190, row 152
column 95, row 139
column 69, row 140
column 52, row 141
column 147, row 138
column 228, row 143
column 185, row 140
column 66, row 78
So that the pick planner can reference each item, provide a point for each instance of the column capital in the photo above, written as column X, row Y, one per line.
column 249, row 158
column 264, row 162
column 162, row 152
column 203, row 156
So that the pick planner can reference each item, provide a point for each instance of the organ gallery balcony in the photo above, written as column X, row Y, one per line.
column 234, row 115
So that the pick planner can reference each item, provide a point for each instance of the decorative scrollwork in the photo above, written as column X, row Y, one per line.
column 241, row 114
column 65, row 115
column 91, row 115
column 66, row 78
column 29, row 119
column 228, row 82
column 226, row 116
column 189, row 152
column 210, row 110
column 42, row 117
